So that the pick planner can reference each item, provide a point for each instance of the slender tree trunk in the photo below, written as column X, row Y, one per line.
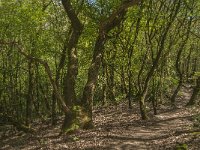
column 142, row 99
column 123, row 82
column 178, row 64
column 130, row 53
column 154, row 97
column 112, row 83
column 188, row 64
column 104, row 86
column 173, row 98
column 110, row 80
column 29, row 100
column 57, row 78
column 143, row 94
column 195, row 93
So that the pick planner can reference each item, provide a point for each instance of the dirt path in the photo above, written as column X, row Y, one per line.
column 117, row 128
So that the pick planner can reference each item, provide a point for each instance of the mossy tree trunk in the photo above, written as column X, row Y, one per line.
column 70, row 122
column 104, row 28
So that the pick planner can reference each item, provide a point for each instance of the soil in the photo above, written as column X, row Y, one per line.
column 116, row 128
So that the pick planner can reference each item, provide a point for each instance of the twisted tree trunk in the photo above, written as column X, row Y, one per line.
column 70, row 122
column 104, row 28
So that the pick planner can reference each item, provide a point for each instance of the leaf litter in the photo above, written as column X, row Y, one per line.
column 116, row 128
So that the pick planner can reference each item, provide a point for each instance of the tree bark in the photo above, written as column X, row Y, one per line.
column 195, row 93
column 72, row 66
column 105, row 27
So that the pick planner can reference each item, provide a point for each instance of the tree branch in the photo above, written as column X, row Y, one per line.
column 47, row 70
column 76, row 24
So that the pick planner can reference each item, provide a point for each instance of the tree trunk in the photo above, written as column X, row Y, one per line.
column 173, row 98
column 30, row 95
column 70, row 78
column 70, row 122
column 178, row 64
column 156, row 61
column 110, row 81
column 88, row 92
column 72, row 69
column 105, row 27
column 142, row 99
column 195, row 93
column 123, row 82
column 104, row 86
column 58, row 71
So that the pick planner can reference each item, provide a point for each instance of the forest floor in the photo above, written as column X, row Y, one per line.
column 117, row 128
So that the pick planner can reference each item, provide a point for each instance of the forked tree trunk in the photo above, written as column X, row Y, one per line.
column 142, row 95
column 70, row 122
column 105, row 27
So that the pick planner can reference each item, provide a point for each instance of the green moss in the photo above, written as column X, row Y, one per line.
column 78, row 119
column 76, row 108
column 196, row 133
column 75, row 138
column 72, row 128
column 181, row 147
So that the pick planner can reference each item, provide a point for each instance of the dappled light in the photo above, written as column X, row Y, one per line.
column 100, row 74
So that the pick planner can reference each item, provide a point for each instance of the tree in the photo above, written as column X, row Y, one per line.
column 104, row 28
